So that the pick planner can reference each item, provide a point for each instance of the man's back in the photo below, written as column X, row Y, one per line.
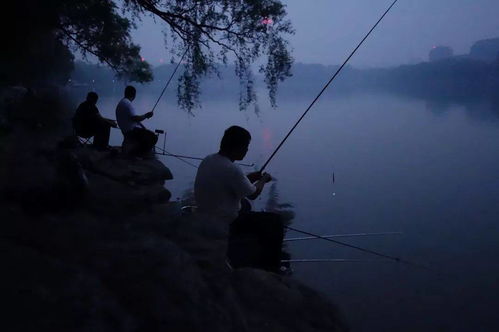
column 124, row 114
column 85, row 116
column 220, row 185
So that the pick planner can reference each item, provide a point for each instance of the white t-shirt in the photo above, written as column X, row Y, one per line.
column 124, row 113
column 219, row 187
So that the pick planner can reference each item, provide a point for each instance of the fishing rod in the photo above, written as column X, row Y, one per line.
column 369, row 251
column 337, row 260
column 327, row 85
column 170, row 79
column 342, row 235
column 166, row 153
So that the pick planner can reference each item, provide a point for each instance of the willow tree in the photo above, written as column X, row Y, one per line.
column 220, row 31
column 40, row 35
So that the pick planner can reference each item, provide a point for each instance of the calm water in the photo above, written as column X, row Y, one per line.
column 427, row 169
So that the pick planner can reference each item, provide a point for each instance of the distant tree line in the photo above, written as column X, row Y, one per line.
column 456, row 77
column 472, row 75
column 445, row 75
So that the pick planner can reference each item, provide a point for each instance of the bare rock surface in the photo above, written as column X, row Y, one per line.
column 89, row 241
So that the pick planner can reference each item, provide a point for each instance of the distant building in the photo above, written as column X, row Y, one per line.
column 438, row 53
column 485, row 50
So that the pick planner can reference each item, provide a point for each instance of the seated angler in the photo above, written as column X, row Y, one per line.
column 138, row 140
column 88, row 122
column 219, row 189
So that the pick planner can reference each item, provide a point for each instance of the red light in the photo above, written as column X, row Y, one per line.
column 267, row 139
column 267, row 21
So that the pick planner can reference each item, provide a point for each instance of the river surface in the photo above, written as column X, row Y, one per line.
column 427, row 169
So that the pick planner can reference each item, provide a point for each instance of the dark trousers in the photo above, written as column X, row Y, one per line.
column 99, row 129
column 255, row 240
column 102, row 131
column 142, row 139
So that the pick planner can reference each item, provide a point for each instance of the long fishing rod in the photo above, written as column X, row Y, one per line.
column 195, row 158
column 327, row 85
column 170, row 79
column 341, row 235
column 369, row 251
column 168, row 154
column 333, row 260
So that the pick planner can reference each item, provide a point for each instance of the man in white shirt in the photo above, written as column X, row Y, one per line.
column 131, row 126
column 221, row 185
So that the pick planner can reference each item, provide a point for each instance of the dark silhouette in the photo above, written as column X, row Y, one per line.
column 88, row 122
column 137, row 139
column 438, row 53
column 221, row 190
column 485, row 50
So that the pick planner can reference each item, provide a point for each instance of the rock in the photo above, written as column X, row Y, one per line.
column 162, row 285
column 124, row 258
column 120, row 168
column 155, row 270
column 275, row 303
column 40, row 293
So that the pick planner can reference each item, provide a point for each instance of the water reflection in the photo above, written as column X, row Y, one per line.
column 438, row 107
column 486, row 110
column 268, row 144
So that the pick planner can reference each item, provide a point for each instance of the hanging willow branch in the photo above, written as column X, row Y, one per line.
column 219, row 31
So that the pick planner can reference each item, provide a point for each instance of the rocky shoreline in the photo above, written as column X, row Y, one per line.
column 90, row 242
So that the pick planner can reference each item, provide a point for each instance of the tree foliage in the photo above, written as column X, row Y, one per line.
column 94, row 26
column 208, row 31
column 218, row 31
column 39, row 35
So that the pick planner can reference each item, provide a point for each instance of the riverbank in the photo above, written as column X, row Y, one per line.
column 91, row 242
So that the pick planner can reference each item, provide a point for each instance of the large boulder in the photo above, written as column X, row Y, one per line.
column 121, row 168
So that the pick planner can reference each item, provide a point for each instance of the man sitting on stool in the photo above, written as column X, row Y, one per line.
column 88, row 122
column 138, row 140
column 219, row 188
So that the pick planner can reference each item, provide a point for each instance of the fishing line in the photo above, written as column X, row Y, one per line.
column 327, row 85
column 166, row 153
column 197, row 158
column 170, row 79
column 369, row 251
column 333, row 260
column 342, row 235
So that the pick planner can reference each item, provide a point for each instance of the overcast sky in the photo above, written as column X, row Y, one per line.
column 327, row 30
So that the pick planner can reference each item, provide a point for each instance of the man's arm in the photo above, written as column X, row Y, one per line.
column 140, row 118
column 259, row 185
column 254, row 176
column 111, row 122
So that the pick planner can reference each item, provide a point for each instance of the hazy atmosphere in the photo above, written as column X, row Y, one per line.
column 327, row 30
column 145, row 191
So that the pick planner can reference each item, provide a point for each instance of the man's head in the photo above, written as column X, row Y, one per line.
column 92, row 98
column 130, row 92
column 235, row 142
